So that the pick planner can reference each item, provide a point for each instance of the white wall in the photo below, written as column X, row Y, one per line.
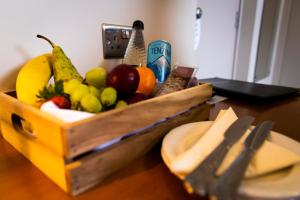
column 177, row 25
column 76, row 26
column 73, row 24
column 216, row 49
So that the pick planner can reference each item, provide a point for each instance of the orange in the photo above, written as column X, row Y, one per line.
column 147, row 81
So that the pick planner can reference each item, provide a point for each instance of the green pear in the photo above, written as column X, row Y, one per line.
column 63, row 69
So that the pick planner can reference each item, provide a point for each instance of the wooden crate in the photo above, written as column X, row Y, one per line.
column 68, row 153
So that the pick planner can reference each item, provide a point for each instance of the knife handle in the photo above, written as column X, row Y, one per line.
column 226, row 186
column 203, row 175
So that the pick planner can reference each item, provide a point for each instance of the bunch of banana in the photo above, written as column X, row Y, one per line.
column 36, row 73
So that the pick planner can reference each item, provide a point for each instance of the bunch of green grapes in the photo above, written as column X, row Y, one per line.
column 83, row 97
column 96, row 78
column 93, row 95
column 109, row 99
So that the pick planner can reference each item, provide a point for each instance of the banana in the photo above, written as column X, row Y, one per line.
column 32, row 78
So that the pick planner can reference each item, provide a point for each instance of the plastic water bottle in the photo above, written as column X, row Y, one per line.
column 135, row 54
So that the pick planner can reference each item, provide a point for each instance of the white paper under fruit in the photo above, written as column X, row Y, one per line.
column 198, row 140
column 66, row 115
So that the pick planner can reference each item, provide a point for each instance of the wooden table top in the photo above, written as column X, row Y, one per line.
column 145, row 178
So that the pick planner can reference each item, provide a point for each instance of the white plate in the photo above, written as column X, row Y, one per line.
column 284, row 184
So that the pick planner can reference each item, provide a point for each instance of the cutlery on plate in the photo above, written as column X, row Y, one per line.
column 225, row 187
column 202, row 176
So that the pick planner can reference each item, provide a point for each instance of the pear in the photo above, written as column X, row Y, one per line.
column 63, row 69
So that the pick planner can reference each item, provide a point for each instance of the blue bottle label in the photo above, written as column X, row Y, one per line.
column 159, row 59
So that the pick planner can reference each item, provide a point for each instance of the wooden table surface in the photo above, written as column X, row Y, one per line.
column 145, row 178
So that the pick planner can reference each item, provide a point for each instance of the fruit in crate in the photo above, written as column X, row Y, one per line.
column 147, row 81
column 108, row 96
column 121, row 104
column 32, row 78
column 90, row 103
column 124, row 78
column 77, row 94
column 71, row 86
column 54, row 93
column 63, row 69
column 95, row 91
column 96, row 77
column 61, row 102
column 83, row 97
column 134, row 98
column 99, row 91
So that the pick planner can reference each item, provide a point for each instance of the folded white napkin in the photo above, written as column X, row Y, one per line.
column 66, row 115
column 269, row 157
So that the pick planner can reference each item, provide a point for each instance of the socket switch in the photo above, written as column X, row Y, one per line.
column 115, row 39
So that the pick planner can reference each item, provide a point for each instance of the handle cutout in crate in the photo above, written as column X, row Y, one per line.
column 22, row 126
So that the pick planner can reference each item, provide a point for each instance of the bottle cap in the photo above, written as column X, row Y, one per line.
column 138, row 25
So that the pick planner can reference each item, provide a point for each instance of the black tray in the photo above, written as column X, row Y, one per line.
column 250, row 91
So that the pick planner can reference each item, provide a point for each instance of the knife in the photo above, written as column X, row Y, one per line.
column 202, row 176
column 226, row 186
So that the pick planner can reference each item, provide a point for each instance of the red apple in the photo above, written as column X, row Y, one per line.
column 124, row 78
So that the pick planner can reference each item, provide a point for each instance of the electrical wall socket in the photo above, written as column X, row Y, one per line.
column 115, row 39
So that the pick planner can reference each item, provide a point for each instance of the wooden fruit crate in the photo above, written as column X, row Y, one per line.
column 69, row 153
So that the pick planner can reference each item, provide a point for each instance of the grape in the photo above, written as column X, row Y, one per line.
column 90, row 103
column 94, row 91
column 96, row 77
column 109, row 96
column 71, row 86
column 121, row 104
column 78, row 93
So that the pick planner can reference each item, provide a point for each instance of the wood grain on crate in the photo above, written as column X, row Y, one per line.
column 53, row 144
column 48, row 130
column 92, row 169
column 85, row 135
column 52, row 164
